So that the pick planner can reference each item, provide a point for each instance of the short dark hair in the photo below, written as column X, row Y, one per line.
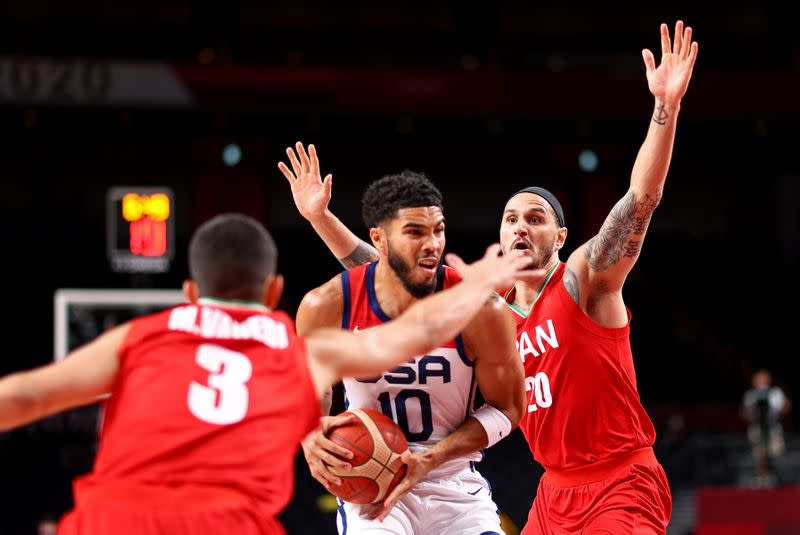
column 231, row 256
column 386, row 196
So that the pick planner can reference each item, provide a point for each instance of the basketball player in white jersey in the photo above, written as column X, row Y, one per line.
column 431, row 397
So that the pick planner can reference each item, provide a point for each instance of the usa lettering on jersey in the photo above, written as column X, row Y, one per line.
column 418, row 370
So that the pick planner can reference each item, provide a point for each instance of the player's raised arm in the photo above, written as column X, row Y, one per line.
column 79, row 379
column 426, row 324
column 312, row 195
column 602, row 264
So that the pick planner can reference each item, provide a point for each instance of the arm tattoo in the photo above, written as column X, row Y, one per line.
column 629, row 218
column 362, row 254
column 661, row 115
column 571, row 284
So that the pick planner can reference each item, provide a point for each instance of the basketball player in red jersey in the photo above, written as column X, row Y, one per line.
column 209, row 400
column 584, row 420
column 431, row 397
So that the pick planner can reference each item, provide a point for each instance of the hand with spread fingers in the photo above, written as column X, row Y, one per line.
column 502, row 271
column 311, row 194
column 670, row 80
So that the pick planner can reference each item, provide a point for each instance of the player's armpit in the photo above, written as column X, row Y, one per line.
column 79, row 379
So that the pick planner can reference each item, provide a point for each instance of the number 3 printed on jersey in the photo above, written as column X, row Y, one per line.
column 539, row 388
column 225, row 398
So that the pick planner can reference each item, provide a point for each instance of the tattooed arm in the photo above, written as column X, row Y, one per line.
column 312, row 195
column 597, row 270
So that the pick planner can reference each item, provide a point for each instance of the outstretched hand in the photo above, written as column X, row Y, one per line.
column 670, row 80
column 311, row 194
column 500, row 271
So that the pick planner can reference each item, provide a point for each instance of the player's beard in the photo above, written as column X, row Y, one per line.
column 403, row 269
column 540, row 256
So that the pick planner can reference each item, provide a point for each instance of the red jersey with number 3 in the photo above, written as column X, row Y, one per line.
column 213, row 394
column 583, row 405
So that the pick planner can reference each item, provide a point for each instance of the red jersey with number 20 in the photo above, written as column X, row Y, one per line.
column 215, row 394
column 583, row 405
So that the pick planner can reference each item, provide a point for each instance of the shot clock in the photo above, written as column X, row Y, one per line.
column 140, row 229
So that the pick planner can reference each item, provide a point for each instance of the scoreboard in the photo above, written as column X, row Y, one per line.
column 140, row 229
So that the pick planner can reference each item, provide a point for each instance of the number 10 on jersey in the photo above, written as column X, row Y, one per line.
column 404, row 402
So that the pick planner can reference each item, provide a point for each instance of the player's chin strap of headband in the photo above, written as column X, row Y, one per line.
column 496, row 424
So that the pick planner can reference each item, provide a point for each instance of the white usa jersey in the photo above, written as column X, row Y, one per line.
column 430, row 396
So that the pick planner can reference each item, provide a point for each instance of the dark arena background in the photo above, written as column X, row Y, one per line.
column 198, row 100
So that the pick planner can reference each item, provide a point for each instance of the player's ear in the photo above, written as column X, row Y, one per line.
column 378, row 237
column 561, row 237
column 191, row 291
column 273, row 289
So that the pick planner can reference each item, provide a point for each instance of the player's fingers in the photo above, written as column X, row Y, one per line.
column 665, row 44
column 331, row 460
column 693, row 54
column 328, row 185
column 649, row 60
column 678, row 39
column 294, row 161
column 301, row 153
column 686, row 43
column 390, row 501
column 455, row 262
column 330, row 447
column 325, row 476
column 529, row 273
column 492, row 251
column 313, row 159
column 341, row 420
column 375, row 510
column 285, row 170
column 408, row 458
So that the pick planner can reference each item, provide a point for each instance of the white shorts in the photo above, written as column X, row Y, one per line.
column 460, row 504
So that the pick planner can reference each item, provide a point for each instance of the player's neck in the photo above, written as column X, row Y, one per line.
column 526, row 292
column 390, row 292
column 233, row 303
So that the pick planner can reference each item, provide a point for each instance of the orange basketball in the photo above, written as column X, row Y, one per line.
column 376, row 442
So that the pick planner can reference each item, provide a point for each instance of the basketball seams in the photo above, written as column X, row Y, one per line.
column 382, row 453
column 353, row 446
column 371, row 480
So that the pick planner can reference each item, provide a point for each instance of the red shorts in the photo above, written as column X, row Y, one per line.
column 133, row 509
column 625, row 495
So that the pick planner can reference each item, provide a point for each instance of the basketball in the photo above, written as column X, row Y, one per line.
column 376, row 442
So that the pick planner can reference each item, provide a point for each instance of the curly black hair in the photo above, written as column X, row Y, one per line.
column 386, row 196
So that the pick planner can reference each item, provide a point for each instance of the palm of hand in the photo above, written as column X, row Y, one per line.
column 309, row 195
column 671, row 79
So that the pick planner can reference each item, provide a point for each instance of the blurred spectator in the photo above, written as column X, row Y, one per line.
column 762, row 408
column 47, row 526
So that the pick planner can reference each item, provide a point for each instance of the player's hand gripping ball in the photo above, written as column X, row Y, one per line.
column 376, row 442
